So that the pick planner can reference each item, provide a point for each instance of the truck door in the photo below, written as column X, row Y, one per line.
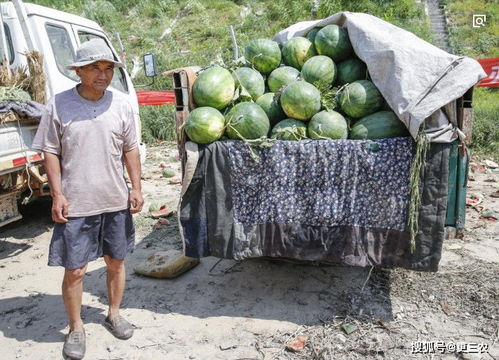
column 57, row 43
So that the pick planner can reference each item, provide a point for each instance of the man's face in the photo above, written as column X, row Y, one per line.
column 96, row 76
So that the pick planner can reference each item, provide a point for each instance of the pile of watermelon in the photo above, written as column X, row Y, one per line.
column 281, row 92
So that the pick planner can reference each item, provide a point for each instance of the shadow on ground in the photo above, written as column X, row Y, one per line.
column 298, row 293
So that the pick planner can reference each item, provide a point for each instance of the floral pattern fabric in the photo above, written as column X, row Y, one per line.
column 323, row 183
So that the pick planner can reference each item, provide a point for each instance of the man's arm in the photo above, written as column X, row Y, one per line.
column 52, row 166
column 132, row 163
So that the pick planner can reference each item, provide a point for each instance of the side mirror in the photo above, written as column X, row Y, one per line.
column 150, row 65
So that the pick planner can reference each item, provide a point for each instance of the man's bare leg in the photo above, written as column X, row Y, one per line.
column 115, row 284
column 72, row 291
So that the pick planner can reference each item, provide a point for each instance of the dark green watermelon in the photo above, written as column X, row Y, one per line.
column 381, row 124
column 251, row 80
column 296, row 51
column 319, row 69
column 246, row 120
column 351, row 70
column 300, row 100
column 360, row 99
column 282, row 76
column 263, row 54
column 204, row 125
column 213, row 87
column 328, row 125
column 333, row 41
column 311, row 34
column 272, row 107
column 289, row 129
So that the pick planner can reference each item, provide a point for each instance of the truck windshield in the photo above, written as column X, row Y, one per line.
column 10, row 49
column 62, row 49
column 119, row 80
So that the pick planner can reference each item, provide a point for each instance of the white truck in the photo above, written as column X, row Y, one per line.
column 56, row 35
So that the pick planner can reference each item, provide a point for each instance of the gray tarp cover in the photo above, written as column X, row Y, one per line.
column 415, row 77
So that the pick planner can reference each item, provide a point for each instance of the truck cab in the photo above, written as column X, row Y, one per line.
column 56, row 35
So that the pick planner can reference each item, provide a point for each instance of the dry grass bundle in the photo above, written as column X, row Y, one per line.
column 31, row 78
column 16, row 78
column 37, row 79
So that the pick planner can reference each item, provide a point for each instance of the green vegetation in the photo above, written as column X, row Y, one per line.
column 485, row 139
column 478, row 43
column 196, row 32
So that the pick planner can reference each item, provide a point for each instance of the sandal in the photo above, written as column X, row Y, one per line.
column 119, row 327
column 74, row 345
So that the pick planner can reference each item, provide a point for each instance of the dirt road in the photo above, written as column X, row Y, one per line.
column 252, row 309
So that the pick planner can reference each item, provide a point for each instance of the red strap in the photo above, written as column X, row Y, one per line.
column 491, row 67
column 163, row 97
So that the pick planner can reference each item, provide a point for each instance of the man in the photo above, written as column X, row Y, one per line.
column 87, row 137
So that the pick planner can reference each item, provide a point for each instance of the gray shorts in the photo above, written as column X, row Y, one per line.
column 84, row 239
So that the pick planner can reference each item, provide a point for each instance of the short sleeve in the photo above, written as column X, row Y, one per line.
column 47, row 137
column 130, row 131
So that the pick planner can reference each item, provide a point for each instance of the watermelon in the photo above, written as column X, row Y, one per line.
column 204, row 125
column 213, row 87
column 312, row 33
column 333, row 41
column 168, row 173
column 263, row 55
column 351, row 70
column 297, row 50
column 289, row 129
column 300, row 100
column 385, row 106
column 319, row 68
column 360, row 99
column 155, row 206
column 381, row 124
column 251, row 80
column 272, row 107
column 247, row 120
column 282, row 76
column 328, row 124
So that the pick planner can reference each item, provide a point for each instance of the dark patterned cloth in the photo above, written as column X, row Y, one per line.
column 341, row 201
column 328, row 183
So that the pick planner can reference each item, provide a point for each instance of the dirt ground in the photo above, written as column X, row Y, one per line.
column 253, row 309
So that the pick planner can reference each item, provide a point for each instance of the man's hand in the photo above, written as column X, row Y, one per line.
column 136, row 201
column 59, row 209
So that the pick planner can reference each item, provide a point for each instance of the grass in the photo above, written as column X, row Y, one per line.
column 485, row 138
column 478, row 43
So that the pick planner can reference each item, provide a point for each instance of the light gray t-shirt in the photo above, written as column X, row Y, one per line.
column 90, row 137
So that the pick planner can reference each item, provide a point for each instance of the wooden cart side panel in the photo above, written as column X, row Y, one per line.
column 183, row 79
column 465, row 115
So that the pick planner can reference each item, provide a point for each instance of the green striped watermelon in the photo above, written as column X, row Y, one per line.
column 312, row 33
column 263, row 54
column 381, row 124
column 351, row 70
column 246, row 120
column 301, row 100
column 360, row 98
column 251, row 80
column 333, row 41
column 213, row 87
column 282, row 76
column 204, row 125
column 297, row 50
column 328, row 125
column 289, row 129
column 272, row 107
column 319, row 69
